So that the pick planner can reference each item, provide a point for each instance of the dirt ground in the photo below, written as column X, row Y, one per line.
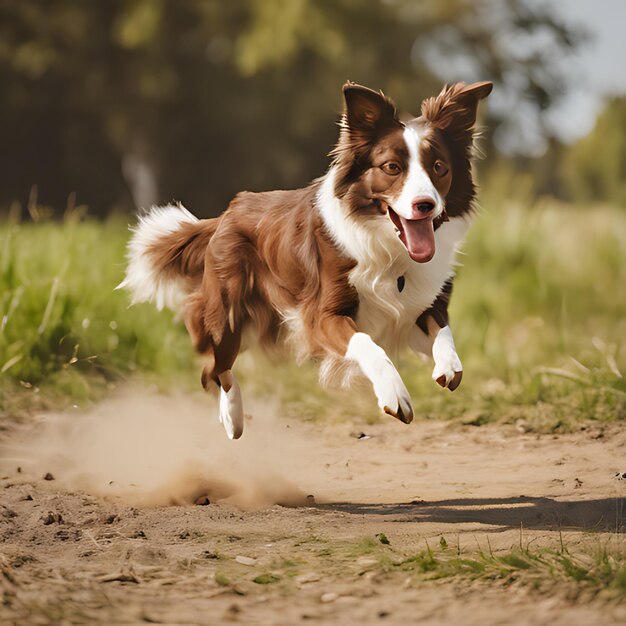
column 98, row 522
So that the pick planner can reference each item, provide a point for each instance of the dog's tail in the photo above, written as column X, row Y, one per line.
column 166, row 256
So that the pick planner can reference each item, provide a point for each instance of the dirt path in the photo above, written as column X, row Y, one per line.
column 99, row 545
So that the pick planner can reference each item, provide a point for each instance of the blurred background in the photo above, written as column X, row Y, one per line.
column 115, row 104
column 110, row 105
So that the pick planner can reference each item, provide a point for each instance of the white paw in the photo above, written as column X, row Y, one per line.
column 231, row 411
column 448, row 370
column 393, row 397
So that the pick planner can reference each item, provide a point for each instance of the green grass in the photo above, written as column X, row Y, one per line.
column 597, row 570
column 538, row 316
column 595, row 567
column 65, row 334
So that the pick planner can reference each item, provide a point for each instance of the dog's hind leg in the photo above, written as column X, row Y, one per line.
column 231, row 406
column 219, row 344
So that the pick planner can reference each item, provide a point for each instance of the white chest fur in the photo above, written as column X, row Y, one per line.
column 385, row 313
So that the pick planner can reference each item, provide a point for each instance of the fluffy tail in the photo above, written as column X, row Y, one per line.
column 166, row 256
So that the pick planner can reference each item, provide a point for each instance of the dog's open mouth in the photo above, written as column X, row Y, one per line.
column 418, row 236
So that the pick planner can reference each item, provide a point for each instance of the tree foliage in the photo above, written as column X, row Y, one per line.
column 198, row 99
column 594, row 169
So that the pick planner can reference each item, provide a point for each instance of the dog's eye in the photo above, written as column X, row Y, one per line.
column 441, row 169
column 391, row 168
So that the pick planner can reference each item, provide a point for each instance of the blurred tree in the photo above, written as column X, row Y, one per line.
column 594, row 168
column 149, row 100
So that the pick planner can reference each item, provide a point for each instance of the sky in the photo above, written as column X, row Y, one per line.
column 597, row 70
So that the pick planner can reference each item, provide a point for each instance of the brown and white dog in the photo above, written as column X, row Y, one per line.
column 354, row 267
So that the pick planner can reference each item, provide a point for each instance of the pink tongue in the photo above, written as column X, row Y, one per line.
column 419, row 239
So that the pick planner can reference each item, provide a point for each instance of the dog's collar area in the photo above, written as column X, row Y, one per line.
column 401, row 282
column 440, row 219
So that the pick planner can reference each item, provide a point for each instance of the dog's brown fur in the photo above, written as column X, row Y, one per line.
column 269, row 252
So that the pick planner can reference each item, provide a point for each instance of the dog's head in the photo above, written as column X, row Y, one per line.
column 417, row 172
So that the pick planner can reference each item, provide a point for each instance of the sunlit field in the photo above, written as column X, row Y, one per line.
column 537, row 311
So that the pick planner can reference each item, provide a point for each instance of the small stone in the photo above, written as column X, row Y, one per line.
column 52, row 518
column 330, row 596
column 305, row 579
column 245, row 560
column 209, row 554
column 48, row 476
column 202, row 500
column 360, row 435
column 233, row 609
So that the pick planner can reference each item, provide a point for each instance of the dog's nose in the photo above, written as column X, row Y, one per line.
column 423, row 206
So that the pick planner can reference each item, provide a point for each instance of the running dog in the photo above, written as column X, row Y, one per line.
column 355, row 266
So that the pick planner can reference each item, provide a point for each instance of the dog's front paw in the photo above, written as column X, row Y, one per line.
column 393, row 397
column 448, row 371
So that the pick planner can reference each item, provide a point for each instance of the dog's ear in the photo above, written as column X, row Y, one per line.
column 366, row 110
column 454, row 109
column 367, row 114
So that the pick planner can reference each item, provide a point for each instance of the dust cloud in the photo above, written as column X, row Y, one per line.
column 151, row 449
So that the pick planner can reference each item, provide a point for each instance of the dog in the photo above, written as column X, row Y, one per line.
column 348, row 270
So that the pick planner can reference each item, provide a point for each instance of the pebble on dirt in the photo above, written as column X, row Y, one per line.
column 48, row 476
column 52, row 518
column 331, row 596
column 138, row 535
